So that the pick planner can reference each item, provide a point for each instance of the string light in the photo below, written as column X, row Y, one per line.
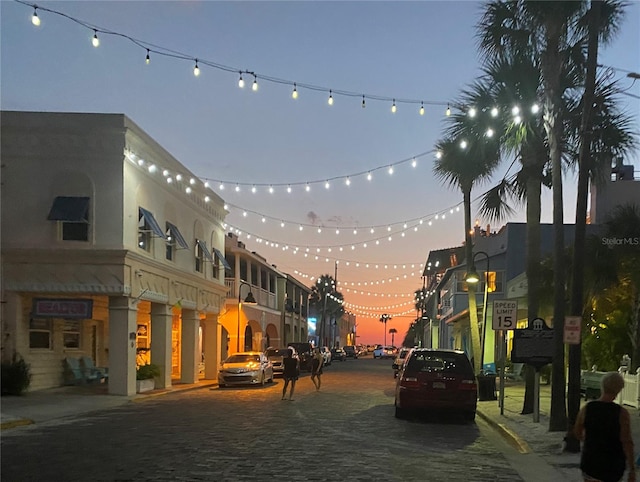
column 196, row 69
column 363, row 103
column 95, row 41
column 294, row 94
column 422, row 108
column 241, row 81
column 330, row 100
column 254, row 87
column 393, row 107
column 448, row 111
column 148, row 59
column 34, row 18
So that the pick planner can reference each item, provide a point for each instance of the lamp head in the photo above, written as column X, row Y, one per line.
column 472, row 276
column 250, row 300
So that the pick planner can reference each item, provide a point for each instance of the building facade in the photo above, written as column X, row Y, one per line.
column 111, row 249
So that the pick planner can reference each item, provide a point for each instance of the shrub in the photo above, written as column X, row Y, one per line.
column 16, row 376
column 148, row 371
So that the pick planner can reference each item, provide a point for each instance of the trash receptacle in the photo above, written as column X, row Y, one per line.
column 487, row 387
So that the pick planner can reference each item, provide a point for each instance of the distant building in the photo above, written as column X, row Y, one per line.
column 621, row 188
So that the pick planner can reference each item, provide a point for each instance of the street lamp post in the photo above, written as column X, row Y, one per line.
column 250, row 300
column 473, row 277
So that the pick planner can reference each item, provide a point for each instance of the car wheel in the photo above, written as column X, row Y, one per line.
column 469, row 416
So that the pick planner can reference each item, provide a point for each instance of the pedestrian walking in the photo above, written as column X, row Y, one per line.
column 605, row 428
column 316, row 368
column 290, row 373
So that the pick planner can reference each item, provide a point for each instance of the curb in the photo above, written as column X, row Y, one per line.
column 157, row 393
column 16, row 423
column 511, row 437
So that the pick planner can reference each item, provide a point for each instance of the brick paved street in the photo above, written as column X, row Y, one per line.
column 347, row 431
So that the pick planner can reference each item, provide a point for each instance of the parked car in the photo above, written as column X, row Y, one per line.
column 305, row 354
column 433, row 380
column 275, row 356
column 385, row 352
column 326, row 354
column 338, row 354
column 399, row 360
column 245, row 368
column 351, row 352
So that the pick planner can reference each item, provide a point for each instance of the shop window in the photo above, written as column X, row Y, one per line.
column 144, row 232
column 171, row 245
column 199, row 254
column 71, row 334
column 40, row 333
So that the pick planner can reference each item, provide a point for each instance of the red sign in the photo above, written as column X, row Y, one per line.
column 572, row 330
column 62, row 308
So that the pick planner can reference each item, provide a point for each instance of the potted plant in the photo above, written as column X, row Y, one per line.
column 145, row 377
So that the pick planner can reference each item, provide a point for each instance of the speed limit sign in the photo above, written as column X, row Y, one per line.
column 505, row 314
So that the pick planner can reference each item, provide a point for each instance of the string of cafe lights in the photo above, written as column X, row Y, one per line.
column 390, row 228
column 370, row 311
column 296, row 87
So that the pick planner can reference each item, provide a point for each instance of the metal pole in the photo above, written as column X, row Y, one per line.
column 484, row 314
column 536, row 397
column 503, row 356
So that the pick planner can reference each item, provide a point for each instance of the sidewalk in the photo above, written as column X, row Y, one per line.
column 535, row 439
column 58, row 403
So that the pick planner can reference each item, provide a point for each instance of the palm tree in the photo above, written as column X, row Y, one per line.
column 392, row 332
column 465, row 157
column 383, row 319
column 327, row 302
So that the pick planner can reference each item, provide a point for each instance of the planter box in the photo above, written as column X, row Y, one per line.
column 145, row 385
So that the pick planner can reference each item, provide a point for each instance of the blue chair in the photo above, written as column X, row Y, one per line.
column 92, row 372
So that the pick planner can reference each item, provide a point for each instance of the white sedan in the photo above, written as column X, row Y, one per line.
column 245, row 368
column 385, row 352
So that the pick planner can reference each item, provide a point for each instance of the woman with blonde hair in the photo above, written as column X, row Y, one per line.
column 316, row 368
column 605, row 428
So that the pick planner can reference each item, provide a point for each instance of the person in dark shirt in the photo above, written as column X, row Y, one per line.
column 290, row 372
column 605, row 428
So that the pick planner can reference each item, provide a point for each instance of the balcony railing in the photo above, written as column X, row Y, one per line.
column 262, row 296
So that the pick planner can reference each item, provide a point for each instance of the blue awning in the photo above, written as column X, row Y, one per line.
column 220, row 256
column 205, row 251
column 153, row 224
column 177, row 235
column 70, row 208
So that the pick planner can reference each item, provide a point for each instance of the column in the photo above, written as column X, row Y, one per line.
column 210, row 346
column 189, row 356
column 161, row 324
column 123, row 317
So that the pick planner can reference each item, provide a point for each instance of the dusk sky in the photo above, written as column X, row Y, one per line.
column 418, row 51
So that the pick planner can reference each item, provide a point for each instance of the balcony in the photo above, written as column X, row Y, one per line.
column 262, row 296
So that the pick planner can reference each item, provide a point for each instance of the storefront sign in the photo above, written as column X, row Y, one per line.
column 62, row 308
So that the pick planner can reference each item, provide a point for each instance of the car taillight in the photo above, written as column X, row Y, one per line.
column 468, row 385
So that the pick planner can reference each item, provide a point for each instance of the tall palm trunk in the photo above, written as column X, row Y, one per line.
column 584, row 162
column 551, row 67
column 473, row 307
column 534, row 188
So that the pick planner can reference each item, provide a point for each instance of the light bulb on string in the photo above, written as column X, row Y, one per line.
column 494, row 112
column 254, row 87
column 147, row 59
column 393, row 107
column 95, row 41
column 196, row 69
column 294, row 94
column 421, row 108
column 241, row 81
column 414, row 163
column 363, row 102
column 369, row 176
column 448, row 111
column 330, row 100
column 34, row 18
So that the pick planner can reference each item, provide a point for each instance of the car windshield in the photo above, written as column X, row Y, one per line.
column 429, row 362
column 277, row 352
column 242, row 359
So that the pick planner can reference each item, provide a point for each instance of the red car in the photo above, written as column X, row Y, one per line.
column 433, row 380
